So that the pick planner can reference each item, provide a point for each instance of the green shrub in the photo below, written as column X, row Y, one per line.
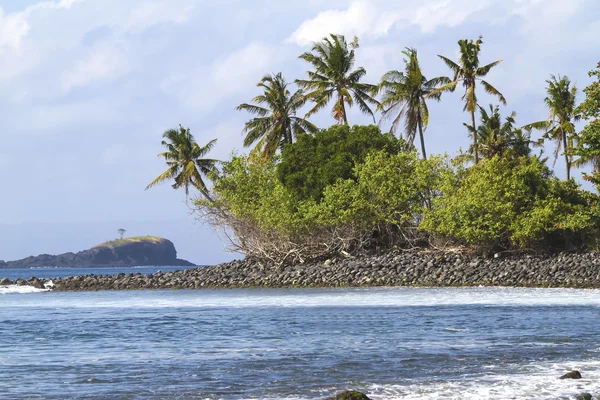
column 313, row 162
column 501, row 203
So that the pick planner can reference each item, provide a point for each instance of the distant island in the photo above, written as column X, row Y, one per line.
column 127, row 252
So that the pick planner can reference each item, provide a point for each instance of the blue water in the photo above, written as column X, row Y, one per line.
column 26, row 273
column 393, row 343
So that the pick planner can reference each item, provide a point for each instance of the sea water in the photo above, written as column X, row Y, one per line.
column 392, row 343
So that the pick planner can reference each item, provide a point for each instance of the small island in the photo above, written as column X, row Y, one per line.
column 127, row 252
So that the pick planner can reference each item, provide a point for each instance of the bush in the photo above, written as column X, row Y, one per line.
column 313, row 162
column 381, row 203
column 504, row 204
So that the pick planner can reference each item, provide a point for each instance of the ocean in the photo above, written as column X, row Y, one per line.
column 391, row 343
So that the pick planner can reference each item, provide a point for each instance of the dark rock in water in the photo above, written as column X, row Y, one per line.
column 350, row 395
column 129, row 252
column 36, row 283
column 584, row 396
column 571, row 375
column 5, row 282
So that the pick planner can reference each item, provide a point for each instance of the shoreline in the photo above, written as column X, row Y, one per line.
column 395, row 268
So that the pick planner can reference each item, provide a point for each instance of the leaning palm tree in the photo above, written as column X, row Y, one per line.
column 560, row 127
column 404, row 96
column 495, row 137
column 184, row 161
column 334, row 77
column 276, row 123
column 468, row 71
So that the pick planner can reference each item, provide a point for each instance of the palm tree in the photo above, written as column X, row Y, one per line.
column 404, row 96
column 560, row 126
column 498, row 138
column 333, row 77
column 468, row 71
column 276, row 123
column 184, row 161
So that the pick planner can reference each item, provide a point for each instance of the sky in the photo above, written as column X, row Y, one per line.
column 87, row 87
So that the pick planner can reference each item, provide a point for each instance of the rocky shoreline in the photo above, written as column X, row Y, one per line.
column 396, row 268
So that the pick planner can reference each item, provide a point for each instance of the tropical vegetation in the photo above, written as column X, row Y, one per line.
column 468, row 72
column 306, row 192
column 276, row 123
column 334, row 78
column 405, row 94
column 185, row 162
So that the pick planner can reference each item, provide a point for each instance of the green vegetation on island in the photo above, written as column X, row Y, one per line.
column 305, row 192
column 130, row 240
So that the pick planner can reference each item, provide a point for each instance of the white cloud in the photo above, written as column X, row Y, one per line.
column 206, row 87
column 104, row 62
column 149, row 13
column 13, row 27
column 376, row 18
column 362, row 18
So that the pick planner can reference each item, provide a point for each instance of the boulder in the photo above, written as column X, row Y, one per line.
column 36, row 283
column 571, row 375
column 584, row 396
column 5, row 282
column 350, row 395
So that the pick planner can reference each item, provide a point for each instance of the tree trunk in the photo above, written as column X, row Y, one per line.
column 344, row 111
column 567, row 160
column 475, row 145
column 420, row 125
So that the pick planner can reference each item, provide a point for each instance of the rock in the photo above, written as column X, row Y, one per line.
column 584, row 396
column 571, row 375
column 36, row 283
column 350, row 395
column 5, row 282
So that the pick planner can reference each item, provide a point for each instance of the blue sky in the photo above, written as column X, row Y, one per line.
column 88, row 86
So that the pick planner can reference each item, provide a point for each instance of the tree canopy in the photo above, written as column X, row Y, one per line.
column 185, row 162
column 276, row 123
column 334, row 78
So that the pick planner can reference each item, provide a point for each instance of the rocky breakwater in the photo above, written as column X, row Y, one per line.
column 128, row 252
column 575, row 270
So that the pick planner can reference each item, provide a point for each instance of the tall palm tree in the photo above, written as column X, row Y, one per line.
column 560, row 126
column 184, row 161
column 404, row 96
column 276, row 123
column 468, row 71
column 498, row 138
column 334, row 77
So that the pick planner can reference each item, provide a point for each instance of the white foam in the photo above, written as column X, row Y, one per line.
column 20, row 289
column 364, row 297
column 538, row 382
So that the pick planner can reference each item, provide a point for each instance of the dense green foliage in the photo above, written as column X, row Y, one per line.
column 305, row 192
column 497, row 138
column 385, row 192
column 588, row 148
column 316, row 161
column 510, row 203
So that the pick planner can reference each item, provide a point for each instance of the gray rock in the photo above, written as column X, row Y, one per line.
column 350, row 395
column 571, row 375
